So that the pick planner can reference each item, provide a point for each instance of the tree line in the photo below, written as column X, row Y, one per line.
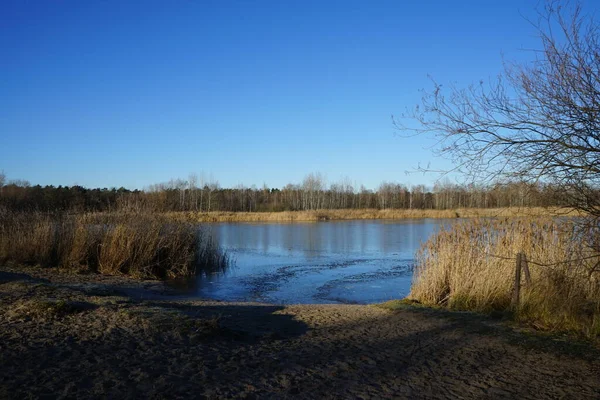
column 311, row 194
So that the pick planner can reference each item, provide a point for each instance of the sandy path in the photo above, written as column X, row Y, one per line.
column 64, row 336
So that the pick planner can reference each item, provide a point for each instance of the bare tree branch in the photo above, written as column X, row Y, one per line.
column 537, row 122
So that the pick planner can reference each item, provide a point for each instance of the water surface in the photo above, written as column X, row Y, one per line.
column 317, row 262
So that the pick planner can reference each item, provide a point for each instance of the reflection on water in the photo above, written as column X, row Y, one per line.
column 317, row 262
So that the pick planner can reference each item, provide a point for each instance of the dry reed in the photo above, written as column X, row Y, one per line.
column 355, row 214
column 471, row 266
column 143, row 246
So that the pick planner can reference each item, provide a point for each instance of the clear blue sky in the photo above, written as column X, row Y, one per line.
column 129, row 93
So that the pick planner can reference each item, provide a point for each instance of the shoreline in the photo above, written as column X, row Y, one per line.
column 365, row 214
column 90, row 336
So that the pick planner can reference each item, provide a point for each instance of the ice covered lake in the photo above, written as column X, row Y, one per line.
column 364, row 261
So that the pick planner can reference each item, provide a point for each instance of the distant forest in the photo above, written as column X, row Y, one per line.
column 311, row 194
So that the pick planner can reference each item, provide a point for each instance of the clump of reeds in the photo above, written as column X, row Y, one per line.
column 471, row 266
column 138, row 245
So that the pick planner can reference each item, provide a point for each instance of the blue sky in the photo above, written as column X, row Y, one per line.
column 130, row 93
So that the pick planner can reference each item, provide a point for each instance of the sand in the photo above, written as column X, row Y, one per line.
column 92, row 336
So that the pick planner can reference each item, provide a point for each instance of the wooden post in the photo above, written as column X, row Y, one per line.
column 517, row 287
column 525, row 268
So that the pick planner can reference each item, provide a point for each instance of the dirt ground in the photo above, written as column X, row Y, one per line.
column 91, row 336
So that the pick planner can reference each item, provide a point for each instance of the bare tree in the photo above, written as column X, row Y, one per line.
column 20, row 183
column 212, row 185
column 193, row 184
column 2, row 180
column 202, row 183
column 538, row 122
column 180, row 185
column 312, row 186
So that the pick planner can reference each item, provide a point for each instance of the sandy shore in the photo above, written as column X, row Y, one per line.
column 90, row 336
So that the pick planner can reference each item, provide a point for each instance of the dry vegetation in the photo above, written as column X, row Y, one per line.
column 355, row 214
column 471, row 266
column 142, row 246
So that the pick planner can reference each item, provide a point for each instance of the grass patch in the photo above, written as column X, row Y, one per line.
column 402, row 304
column 46, row 309
column 160, row 321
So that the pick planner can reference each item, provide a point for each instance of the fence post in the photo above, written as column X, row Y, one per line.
column 525, row 267
column 517, row 287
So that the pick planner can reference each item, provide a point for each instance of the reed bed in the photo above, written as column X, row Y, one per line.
column 139, row 245
column 356, row 214
column 471, row 266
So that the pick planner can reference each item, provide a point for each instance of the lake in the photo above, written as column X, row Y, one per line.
column 366, row 261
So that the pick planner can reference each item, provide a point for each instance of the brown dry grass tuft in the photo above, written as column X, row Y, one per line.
column 143, row 246
column 43, row 309
column 471, row 266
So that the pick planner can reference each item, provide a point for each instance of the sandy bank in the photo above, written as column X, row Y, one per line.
column 88, row 336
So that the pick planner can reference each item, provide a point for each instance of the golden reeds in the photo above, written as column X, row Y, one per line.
column 471, row 266
column 144, row 246
column 355, row 214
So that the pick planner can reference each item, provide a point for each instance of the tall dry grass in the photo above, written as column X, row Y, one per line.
column 142, row 246
column 471, row 266
column 355, row 214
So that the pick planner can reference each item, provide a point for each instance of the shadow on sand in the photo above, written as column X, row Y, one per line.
column 279, row 352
